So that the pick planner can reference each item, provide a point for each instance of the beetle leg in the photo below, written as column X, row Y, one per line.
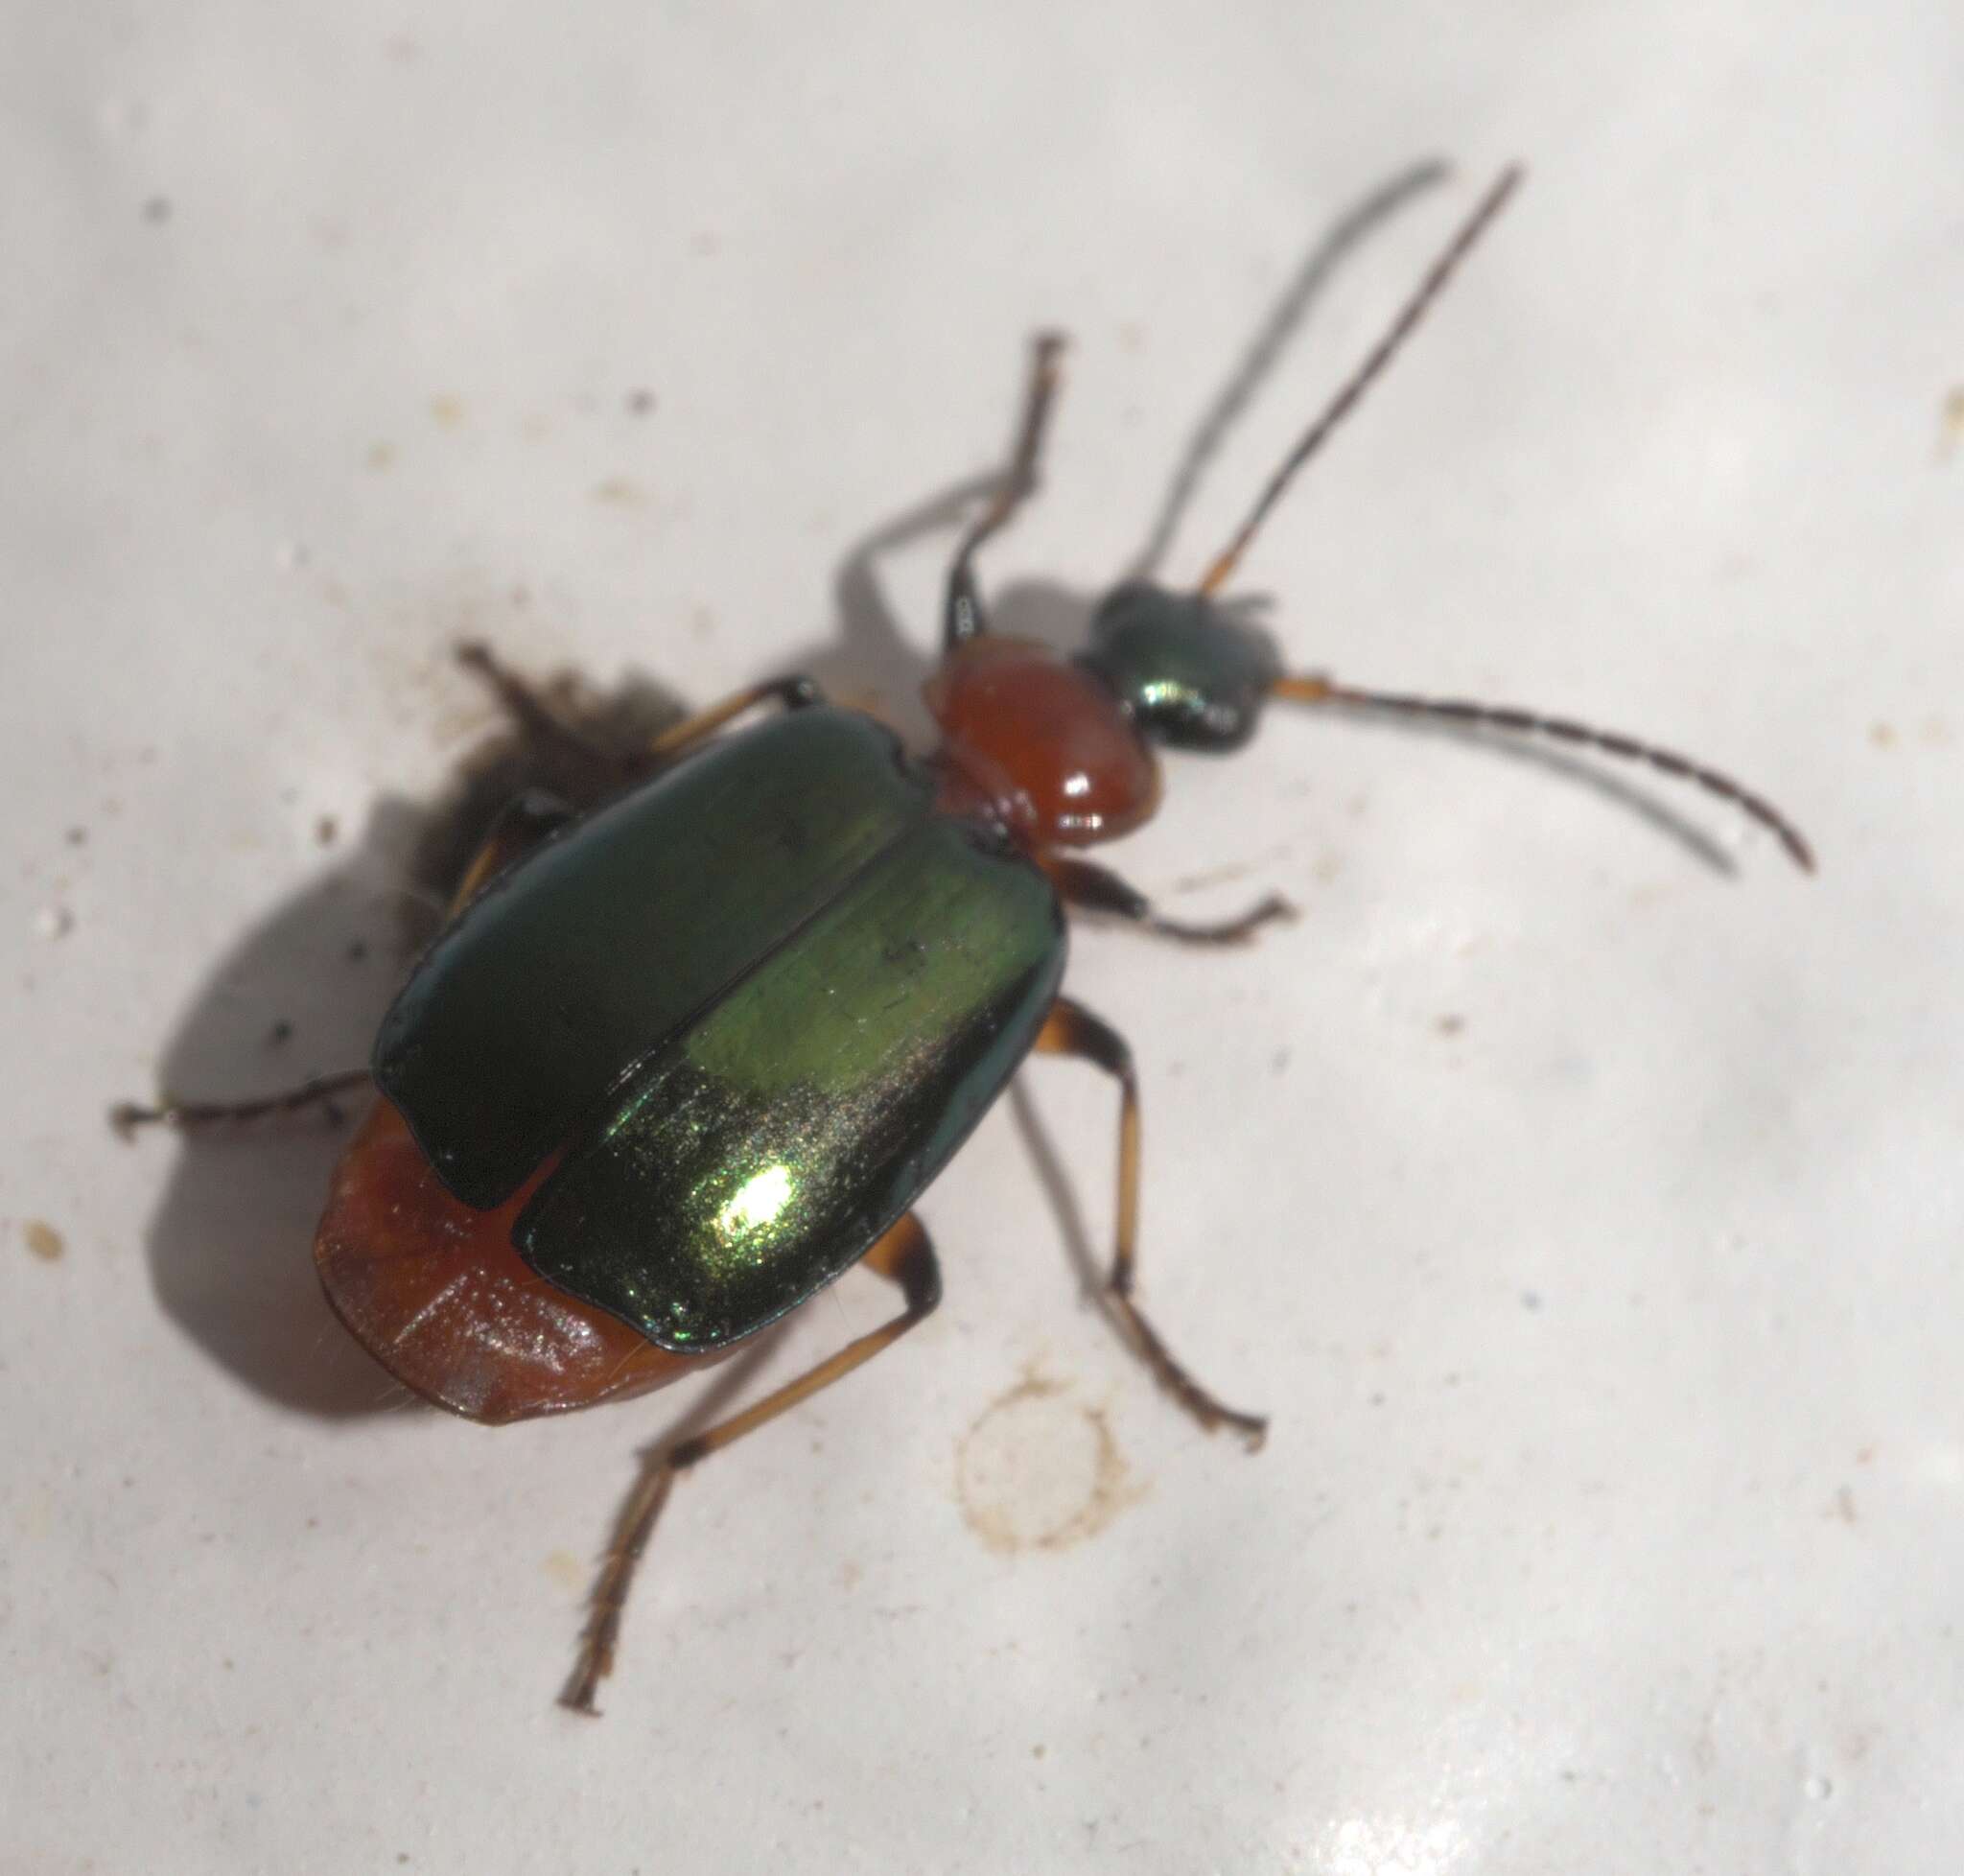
column 963, row 618
column 127, row 1116
column 1098, row 889
column 794, row 692
column 1070, row 1029
column 905, row 1254
column 539, row 723
column 521, row 825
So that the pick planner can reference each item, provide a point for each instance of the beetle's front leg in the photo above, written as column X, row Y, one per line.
column 904, row 1255
column 962, row 617
column 1070, row 1029
column 1098, row 889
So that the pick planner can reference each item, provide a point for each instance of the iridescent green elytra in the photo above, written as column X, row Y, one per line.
column 758, row 1003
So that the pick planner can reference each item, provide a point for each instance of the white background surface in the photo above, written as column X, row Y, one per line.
column 1611, row 1519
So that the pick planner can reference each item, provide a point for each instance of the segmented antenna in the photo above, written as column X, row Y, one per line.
column 1360, row 381
column 1561, row 729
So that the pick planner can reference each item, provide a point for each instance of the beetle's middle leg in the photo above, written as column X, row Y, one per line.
column 905, row 1256
column 188, row 1116
column 600, row 770
column 521, row 827
column 1071, row 1029
column 963, row 617
column 1098, row 889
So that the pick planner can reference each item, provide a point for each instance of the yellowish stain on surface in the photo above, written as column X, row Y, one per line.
column 566, row 1571
column 1952, row 434
column 43, row 1240
column 1038, row 1470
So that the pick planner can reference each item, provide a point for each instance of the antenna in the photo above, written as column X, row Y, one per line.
column 1561, row 729
column 1360, row 381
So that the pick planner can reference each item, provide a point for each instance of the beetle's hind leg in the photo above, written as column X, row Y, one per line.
column 904, row 1255
column 1098, row 889
column 1070, row 1029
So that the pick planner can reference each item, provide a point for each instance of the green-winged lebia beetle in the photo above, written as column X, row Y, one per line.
column 678, row 1061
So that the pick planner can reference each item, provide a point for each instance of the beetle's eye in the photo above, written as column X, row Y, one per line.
column 1191, row 672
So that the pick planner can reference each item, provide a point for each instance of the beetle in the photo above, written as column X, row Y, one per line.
column 678, row 1061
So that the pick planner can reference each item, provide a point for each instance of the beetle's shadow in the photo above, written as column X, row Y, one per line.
column 301, row 995
column 302, row 991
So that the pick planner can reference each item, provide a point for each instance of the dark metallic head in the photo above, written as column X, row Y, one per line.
column 1191, row 672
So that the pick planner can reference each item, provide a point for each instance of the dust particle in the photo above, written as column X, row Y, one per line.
column 617, row 492
column 43, row 1240
column 1450, row 1025
column 157, row 210
column 78, row 836
column 641, row 403
column 381, row 455
column 55, row 922
column 327, row 831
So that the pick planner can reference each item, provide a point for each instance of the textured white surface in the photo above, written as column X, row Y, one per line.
column 1612, row 1516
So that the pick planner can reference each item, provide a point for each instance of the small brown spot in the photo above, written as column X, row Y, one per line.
column 1952, row 431
column 43, row 1240
column 616, row 491
column 381, row 455
column 1450, row 1024
column 1038, row 1471
column 358, row 950
column 1883, row 734
column 78, row 836
column 327, row 831
column 566, row 1571
column 447, row 410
